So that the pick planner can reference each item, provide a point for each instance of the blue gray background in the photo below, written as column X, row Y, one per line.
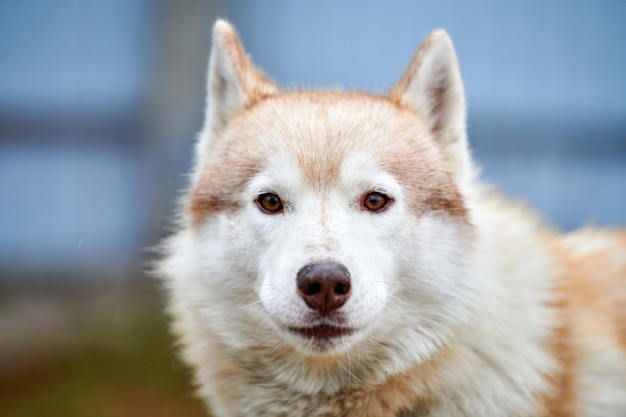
column 100, row 102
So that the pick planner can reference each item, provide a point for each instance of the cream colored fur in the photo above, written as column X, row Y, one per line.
column 461, row 303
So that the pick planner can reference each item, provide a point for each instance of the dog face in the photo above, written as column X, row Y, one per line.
column 329, row 221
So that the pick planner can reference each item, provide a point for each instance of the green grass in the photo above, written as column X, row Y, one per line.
column 116, row 367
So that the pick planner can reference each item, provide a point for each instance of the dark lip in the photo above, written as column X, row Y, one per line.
column 323, row 332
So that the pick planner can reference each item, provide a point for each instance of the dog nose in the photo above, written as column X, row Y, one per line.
column 324, row 287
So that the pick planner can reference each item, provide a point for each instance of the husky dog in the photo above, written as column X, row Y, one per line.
column 337, row 256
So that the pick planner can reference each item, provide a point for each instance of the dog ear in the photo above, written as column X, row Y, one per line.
column 432, row 86
column 234, row 83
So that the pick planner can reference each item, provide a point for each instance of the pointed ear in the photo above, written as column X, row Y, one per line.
column 432, row 87
column 233, row 81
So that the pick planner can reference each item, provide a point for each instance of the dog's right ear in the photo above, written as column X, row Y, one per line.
column 234, row 83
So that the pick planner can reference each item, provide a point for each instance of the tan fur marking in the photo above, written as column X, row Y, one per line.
column 596, row 281
column 327, row 127
column 225, row 174
column 592, row 302
column 561, row 403
column 620, row 291
column 399, row 393
column 408, row 391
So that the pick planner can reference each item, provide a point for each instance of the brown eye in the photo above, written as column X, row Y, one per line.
column 269, row 203
column 375, row 201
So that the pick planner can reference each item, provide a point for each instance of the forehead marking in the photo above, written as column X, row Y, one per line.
column 321, row 131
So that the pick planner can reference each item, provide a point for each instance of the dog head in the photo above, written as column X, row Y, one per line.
column 321, row 221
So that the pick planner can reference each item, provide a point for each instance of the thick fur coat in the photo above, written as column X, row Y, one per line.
column 338, row 256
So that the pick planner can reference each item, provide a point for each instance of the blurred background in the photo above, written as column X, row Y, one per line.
column 100, row 102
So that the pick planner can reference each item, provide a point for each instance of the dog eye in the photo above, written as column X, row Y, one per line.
column 269, row 203
column 375, row 202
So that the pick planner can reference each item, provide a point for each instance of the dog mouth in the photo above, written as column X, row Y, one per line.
column 322, row 333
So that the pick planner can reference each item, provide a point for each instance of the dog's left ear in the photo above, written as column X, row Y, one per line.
column 432, row 86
